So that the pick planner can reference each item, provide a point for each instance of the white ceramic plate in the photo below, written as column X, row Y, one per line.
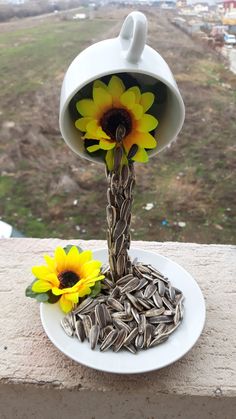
column 124, row 362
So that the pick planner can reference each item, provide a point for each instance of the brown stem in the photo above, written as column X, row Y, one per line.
column 120, row 198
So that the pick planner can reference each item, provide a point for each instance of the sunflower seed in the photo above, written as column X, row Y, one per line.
column 160, row 319
column 100, row 314
column 122, row 281
column 87, row 323
column 108, row 283
column 154, row 312
column 150, row 291
column 158, row 340
column 94, row 335
column 142, row 324
column 87, row 302
column 168, row 304
column 143, row 269
column 161, row 328
column 131, row 336
column 79, row 330
column 125, row 208
column 171, row 292
column 132, row 151
column 132, row 285
column 142, row 283
column 157, row 300
column 131, row 348
column 109, row 340
column 119, row 229
column 67, row 326
column 134, row 301
column 161, row 288
column 111, row 216
column 127, row 307
column 115, row 292
column 120, row 340
column 120, row 264
column 71, row 319
column 115, row 304
column 119, row 245
column 139, row 341
column 119, row 324
column 125, row 173
column 144, row 303
column 147, row 335
column 135, row 314
column 110, row 197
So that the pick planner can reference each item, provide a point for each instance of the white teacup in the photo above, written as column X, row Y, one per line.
column 128, row 53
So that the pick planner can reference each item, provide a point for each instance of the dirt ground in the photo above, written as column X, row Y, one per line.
column 48, row 191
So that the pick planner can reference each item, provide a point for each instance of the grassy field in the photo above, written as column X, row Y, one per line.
column 47, row 191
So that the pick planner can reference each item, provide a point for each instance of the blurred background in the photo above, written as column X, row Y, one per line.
column 186, row 193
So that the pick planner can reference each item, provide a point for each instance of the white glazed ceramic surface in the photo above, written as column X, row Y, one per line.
column 128, row 53
column 124, row 362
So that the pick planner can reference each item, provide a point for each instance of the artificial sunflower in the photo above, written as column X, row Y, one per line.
column 68, row 276
column 111, row 107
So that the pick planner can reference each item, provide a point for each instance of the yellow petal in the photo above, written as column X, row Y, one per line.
column 100, row 83
column 57, row 291
column 102, row 98
column 65, row 304
column 72, row 258
column 141, row 156
column 85, row 290
column 147, row 123
column 74, row 297
column 86, row 107
column 92, row 127
column 147, row 100
column 50, row 262
column 52, row 278
column 137, row 111
column 142, row 139
column 82, row 123
column 136, row 91
column 107, row 145
column 85, row 257
column 60, row 258
column 128, row 99
column 102, row 134
column 110, row 159
column 93, row 148
column 89, row 268
column 41, row 286
column 116, row 87
column 40, row 272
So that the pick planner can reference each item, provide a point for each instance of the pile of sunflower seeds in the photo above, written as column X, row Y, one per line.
column 138, row 311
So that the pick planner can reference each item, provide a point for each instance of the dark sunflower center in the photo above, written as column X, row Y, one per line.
column 114, row 118
column 67, row 279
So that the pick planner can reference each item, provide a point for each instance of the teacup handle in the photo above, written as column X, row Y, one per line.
column 134, row 30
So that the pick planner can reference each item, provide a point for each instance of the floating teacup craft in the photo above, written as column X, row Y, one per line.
column 119, row 105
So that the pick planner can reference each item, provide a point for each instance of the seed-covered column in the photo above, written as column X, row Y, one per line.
column 121, row 181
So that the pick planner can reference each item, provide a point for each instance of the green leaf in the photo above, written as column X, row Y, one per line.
column 29, row 292
column 96, row 289
column 42, row 298
column 69, row 246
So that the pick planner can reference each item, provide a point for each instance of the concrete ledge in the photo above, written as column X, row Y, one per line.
column 32, row 368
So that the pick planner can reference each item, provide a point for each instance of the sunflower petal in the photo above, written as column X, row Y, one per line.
column 86, row 107
column 72, row 258
column 116, row 87
column 141, row 156
column 65, row 304
column 50, row 262
column 136, row 91
column 57, row 291
column 90, row 268
column 93, row 148
column 147, row 100
column 40, row 272
column 110, row 159
column 128, row 99
column 85, row 290
column 100, row 83
column 142, row 139
column 60, row 258
column 82, row 123
column 41, row 286
column 137, row 111
column 147, row 123
column 85, row 257
column 74, row 297
column 107, row 145
column 102, row 98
